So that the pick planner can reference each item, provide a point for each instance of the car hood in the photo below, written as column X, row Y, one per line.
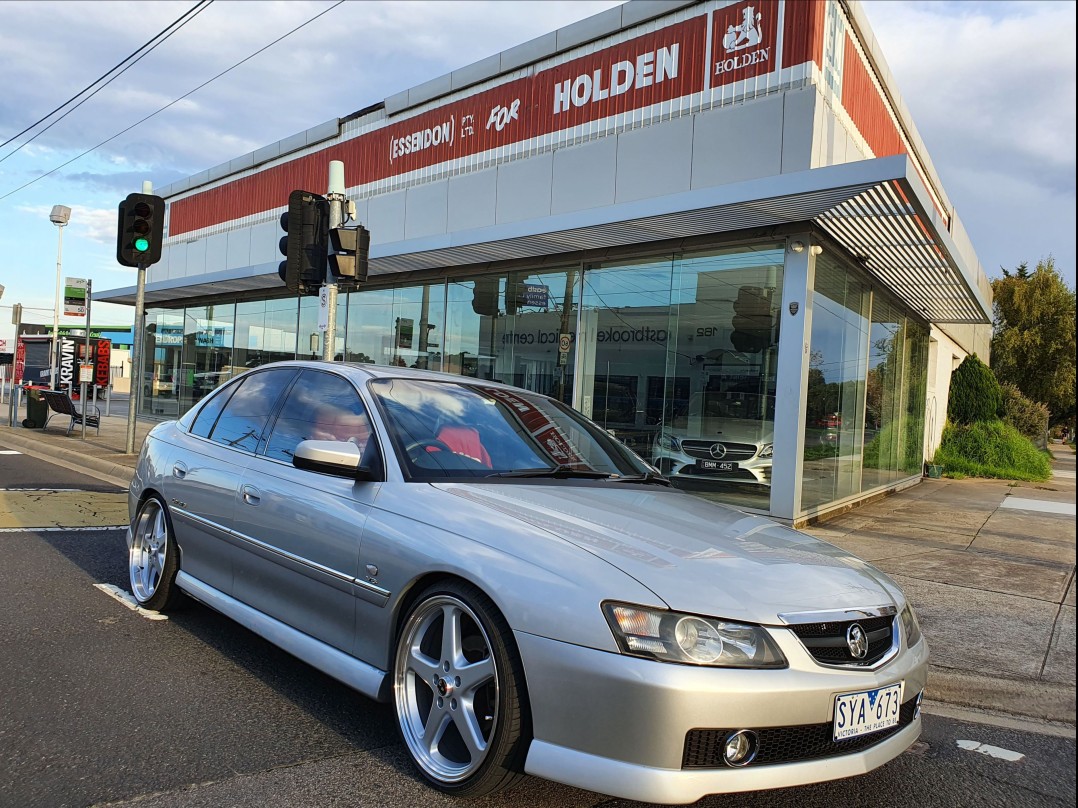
column 696, row 556
column 726, row 430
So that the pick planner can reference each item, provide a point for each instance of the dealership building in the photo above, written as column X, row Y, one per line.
column 710, row 226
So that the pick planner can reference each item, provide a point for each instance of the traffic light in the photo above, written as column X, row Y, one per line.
column 349, row 248
column 753, row 322
column 306, row 227
column 485, row 296
column 140, row 230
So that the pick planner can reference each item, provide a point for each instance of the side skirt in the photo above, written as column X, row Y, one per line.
column 367, row 679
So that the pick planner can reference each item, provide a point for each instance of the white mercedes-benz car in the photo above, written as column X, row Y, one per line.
column 531, row 596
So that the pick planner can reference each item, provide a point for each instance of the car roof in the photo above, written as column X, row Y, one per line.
column 366, row 371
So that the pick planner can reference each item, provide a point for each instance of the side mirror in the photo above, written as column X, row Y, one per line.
column 340, row 458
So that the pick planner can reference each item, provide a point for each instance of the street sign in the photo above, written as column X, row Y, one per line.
column 323, row 309
column 75, row 297
column 86, row 374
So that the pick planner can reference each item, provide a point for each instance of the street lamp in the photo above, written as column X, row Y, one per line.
column 60, row 216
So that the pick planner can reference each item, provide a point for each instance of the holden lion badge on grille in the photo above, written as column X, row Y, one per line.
column 857, row 641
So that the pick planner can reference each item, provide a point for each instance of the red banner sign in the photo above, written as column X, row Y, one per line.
column 102, row 368
column 649, row 69
column 20, row 360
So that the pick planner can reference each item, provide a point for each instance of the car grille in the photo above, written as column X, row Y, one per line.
column 827, row 641
column 734, row 451
column 703, row 747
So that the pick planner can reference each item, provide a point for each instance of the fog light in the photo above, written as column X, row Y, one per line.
column 740, row 748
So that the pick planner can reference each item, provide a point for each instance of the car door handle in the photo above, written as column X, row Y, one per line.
column 251, row 495
column 179, row 471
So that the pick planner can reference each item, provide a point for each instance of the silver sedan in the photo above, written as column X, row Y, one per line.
column 530, row 595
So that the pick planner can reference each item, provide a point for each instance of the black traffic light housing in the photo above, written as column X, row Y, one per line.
column 140, row 230
column 306, row 227
column 485, row 296
column 753, row 321
column 349, row 250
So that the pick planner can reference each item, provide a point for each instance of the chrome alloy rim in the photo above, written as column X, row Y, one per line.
column 148, row 546
column 446, row 685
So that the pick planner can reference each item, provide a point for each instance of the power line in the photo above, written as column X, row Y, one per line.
column 148, row 47
column 171, row 103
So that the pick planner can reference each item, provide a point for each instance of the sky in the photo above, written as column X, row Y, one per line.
column 990, row 86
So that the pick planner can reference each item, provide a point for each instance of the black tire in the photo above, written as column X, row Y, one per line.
column 422, row 695
column 153, row 557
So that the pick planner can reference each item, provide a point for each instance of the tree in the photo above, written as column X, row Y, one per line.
column 975, row 394
column 1033, row 342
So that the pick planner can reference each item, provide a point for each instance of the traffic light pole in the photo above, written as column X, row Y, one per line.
column 136, row 359
column 336, row 199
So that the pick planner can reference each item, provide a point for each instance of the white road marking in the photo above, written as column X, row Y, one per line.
column 1042, row 505
column 128, row 600
column 9, row 452
column 40, row 490
column 60, row 529
column 991, row 751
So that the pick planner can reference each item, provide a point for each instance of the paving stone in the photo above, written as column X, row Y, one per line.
column 976, row 630
column 1019, row 547
column 1059, row 667
column 1033, row 579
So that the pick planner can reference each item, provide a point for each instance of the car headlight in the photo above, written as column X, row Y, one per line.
column 910, row 627
column 768, row 450
column 690, row 639
column 668, row 442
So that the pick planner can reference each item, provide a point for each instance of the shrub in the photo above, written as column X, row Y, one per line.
column 975, row 394
column 1027, row 416
column 991, row 449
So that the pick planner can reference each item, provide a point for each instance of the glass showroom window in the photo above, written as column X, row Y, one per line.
column 403, row 326
column 624, row 323
column 835, row 397
column 207, row 351
column 508, row 328
column 265, row 332
column 718, row 390
column 162, row 365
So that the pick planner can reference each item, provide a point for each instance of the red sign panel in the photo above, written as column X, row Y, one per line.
column 20, row 360
column 652, row 68
column 102, row 355
column 743, row 41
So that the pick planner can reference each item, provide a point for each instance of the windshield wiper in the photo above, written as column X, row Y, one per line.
column 558, row 472
column 647, row 477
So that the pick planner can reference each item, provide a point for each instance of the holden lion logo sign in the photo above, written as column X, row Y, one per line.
column 745, row 35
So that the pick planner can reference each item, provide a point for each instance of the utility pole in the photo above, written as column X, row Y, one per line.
column 336, row 199
column 137, row 348
column 60, row 216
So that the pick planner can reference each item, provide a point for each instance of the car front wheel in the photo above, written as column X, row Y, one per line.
column 459, row 692
column 153, row 557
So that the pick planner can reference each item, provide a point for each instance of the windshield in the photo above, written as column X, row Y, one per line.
column 467, row 431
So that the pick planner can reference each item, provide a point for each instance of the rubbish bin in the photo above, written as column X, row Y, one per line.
column 37, row 409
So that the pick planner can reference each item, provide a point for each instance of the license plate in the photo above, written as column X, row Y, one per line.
column 866, row 711
column 716, row 465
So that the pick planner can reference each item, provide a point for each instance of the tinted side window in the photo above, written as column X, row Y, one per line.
column 320, row 406
column 207, row 416
column 246, row 413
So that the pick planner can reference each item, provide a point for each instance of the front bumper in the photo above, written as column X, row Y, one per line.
column 618, row 724
column 678, row 465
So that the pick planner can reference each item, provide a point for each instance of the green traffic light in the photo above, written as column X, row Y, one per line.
column 142, row 244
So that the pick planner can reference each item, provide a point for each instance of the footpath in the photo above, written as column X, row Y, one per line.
column 988, row 565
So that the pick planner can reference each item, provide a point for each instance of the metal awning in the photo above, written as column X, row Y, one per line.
column 878, row 210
